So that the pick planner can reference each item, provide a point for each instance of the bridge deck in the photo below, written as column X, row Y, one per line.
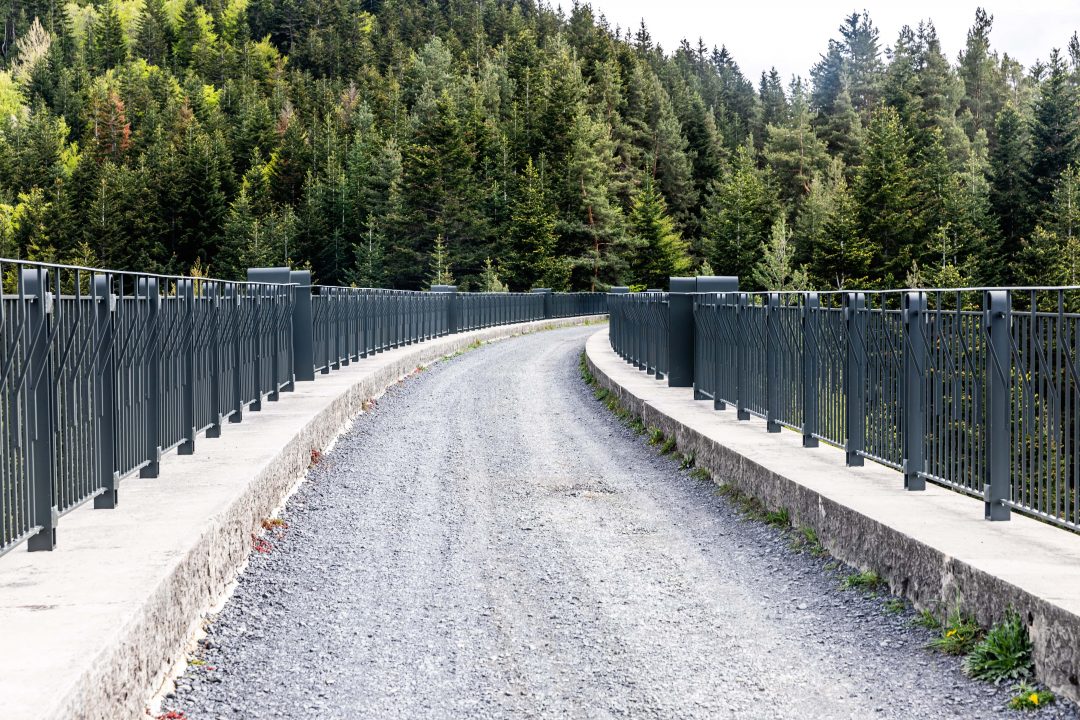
column 490, row 542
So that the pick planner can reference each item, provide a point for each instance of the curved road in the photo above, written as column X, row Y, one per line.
column 489, row 542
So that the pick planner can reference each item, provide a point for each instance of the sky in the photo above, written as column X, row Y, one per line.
column 792, row 35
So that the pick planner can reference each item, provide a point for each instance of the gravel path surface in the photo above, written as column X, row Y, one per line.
column 489, row 541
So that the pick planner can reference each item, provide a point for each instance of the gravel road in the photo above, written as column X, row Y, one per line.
column 489, row 542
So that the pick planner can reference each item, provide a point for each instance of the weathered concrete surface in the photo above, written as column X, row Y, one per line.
column 89, row 630
column 933, row 547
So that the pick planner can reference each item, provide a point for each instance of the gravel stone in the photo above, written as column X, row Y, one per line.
column 490, row 542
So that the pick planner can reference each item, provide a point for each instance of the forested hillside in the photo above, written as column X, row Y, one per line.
column 392, row 143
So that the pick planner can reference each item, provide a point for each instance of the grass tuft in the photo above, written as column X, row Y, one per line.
column 688, row 461
column 656, row 436
column 926, row 619
column 895, row 606
column 668, row 446
column 701, row 474
column 1004, row 654
column 778, row 518
column 868, row 581
column 958, row 635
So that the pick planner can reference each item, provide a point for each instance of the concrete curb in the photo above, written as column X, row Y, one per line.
column 933, row 547
column 91, row 629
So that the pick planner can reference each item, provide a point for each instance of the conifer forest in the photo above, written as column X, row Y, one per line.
column 504, row 144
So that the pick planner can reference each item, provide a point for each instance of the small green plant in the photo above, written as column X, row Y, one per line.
column 1030, row 698
column 1004, row 654
column 637, row 426
column 868, row 581
column 656, row 436
column 895, row 605
column 701, row 474
column 926, row 619
column 832, row 565
column 806, row 538
column 668, row 446
column 600, row 393
column 687, row 461
column 778, row 518
column 958, row 635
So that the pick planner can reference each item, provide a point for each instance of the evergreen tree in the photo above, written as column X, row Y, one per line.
column 776, row 269
column 660, row 252
column 740, row 210
column 1055, row 128
column 1010, row 184
column 154, row 39
column 108, row 46
column 532, row 234
column 885, row 192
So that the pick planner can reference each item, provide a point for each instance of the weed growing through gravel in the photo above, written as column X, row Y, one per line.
column 806, row 538
column 701, row 474
column 895, row 605
column 778, row 518
column 958, row 636
column 926, row 619
column 656, row 436
column 1004, row 654
column 868, row 581
column 687, row 461
column 1030, row 698
column 668, row 446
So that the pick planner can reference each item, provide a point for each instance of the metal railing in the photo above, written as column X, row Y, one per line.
column 977, row 390
column 101, row 371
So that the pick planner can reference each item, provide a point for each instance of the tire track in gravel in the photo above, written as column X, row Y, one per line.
column 489, row 542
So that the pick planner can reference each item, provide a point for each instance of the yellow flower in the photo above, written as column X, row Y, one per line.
column 950, row 633
column 1034, row 698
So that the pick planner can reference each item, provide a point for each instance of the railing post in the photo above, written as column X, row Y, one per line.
column 185, row 295
column 256, row 294
column 997, row 490
column 810, row 370
column 105, row 370
column 680, row 360
column 855, row 376
column 452, row 309
column 302, row 330
column 152, row 358
column 236, row 299
column 741, row 364
column 772, row 363
column 546, row 311
column 213, row 296
column 914, row 408
column 41, row 421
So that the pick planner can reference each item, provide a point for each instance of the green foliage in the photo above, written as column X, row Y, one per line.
column 1003, row 654
column 543, row 148
column 1030, row 698
column 668, row 446
column 868, row 581
column 660, row 251
column 656, row 436
column 959, row 634
column 778, row 518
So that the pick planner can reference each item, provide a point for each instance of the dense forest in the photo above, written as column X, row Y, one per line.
column 399, row 142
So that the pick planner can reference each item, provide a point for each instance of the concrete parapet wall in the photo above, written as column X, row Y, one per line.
column 933, row 547
column 91, row 629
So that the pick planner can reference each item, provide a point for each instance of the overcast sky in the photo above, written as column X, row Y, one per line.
column 792, row 35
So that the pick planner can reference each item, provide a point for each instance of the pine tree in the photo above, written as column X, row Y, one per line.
column 489, row 280
column 441, row 272
column 1055, row 129
column 532, row 233
column 1010, row 184
column 109, row 46
column 885, row 193
column 660, row 252
column 984, row 84
column 740, row 210
column 839, row 256
column 776, row 268
column 154, row 39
